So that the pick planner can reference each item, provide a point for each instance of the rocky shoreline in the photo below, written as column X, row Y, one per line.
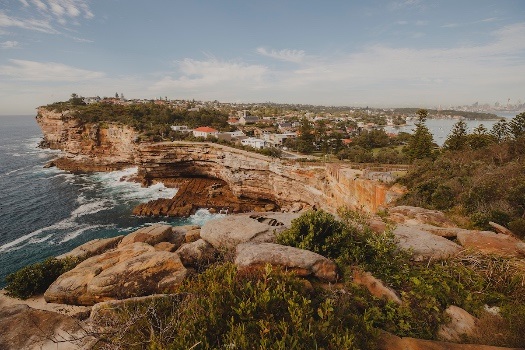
column 152, row 261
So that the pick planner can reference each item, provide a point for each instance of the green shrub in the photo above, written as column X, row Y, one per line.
column 35, row 279
column 518, row 227
column 225, row 309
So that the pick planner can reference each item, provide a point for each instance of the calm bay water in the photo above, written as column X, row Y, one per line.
column 440, row 128
column 47, row 212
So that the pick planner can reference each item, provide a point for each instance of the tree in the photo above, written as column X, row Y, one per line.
column 517, row 126
column 457, row 139
column 421, row 143
column 76, row 100
column 305, row 141
column 480, row 137
column 500, row 130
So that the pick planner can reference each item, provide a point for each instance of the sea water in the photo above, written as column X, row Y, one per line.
column 46, row 212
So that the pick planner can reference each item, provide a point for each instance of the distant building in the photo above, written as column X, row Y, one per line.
column 253, row 142
column 248, row 119
column 205, row 131
column 180, row 128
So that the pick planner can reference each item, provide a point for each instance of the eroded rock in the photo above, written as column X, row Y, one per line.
column 303, row 262
column 228, row 232
column 425, row 245
column 131, row 270
column 94, row 247
column 492, row 243
column 151, row 235
column 407, row 214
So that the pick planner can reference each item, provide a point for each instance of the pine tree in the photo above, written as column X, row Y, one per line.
column 500, row 130
column 457, row 139
column 421, row 143
column 517, row 126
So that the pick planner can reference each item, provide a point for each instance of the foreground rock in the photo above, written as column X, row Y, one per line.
column 425, row 245
column 389, row 341
column 23, row 327
column 151, row 235
column 461, row 324
column 91, row 248
column 197, row 254
column 303, row 262
column 375, row 286
column 228, row 232
column 135, row 269
column 492, row 243
column 415, row 215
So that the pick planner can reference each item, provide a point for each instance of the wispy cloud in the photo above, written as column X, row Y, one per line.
column 283, row 55
column 193, row 74
column 47, row 16
column 21, row 70
column 9, row 44
column 39, row 25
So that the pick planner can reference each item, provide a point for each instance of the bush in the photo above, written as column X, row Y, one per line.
column 35, row 279
column 225, row 309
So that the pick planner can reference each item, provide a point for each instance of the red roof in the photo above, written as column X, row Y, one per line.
column 205, row 129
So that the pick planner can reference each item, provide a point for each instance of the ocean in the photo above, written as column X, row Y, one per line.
column 47, row 212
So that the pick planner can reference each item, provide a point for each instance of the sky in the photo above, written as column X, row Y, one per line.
column 392, row 53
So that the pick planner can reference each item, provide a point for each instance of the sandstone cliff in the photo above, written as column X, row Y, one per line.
column 95, row 147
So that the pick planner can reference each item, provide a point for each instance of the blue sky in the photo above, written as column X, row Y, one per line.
column 417, row 53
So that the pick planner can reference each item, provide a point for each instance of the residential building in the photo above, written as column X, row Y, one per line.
column 253, row 142
column 180, row 128
column 205, row 131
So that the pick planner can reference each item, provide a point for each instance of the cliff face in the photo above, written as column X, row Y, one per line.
column 91, row 147
column 101, row 145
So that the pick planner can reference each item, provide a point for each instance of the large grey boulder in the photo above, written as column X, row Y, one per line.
column 302, row 262
column 197, row 254
column 94, row 247
column 423, row 244
column 228, row 232
column 131, row 270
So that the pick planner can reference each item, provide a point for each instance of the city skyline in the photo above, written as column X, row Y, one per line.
column 411, row 53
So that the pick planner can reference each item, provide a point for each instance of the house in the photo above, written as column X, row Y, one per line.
column 205, row 131
column 180, row 128
column 253, row 142
column 248, row 119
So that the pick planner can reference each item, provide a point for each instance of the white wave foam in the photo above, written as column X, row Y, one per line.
column 117, row 185
column 201, row 216
column 14, row 171
column 74, row 234
column 91, row 208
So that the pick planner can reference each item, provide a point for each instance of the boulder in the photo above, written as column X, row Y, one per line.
column 492, row 243
column 192, row 235
column 131, row 270
column 501, row 229
column 197, row 254
column 407, row 214
column 23, row 327
column 302, row 262
column 151, row 235
column 375, row 286
column 228, row 232
column 165, row 246
column 389, row 341
column 460, row 325
column 94, row 247
column 424, row 245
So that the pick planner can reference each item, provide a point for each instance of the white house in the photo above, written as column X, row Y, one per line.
column 253, row 142
column 205, row 131
column 180, row 128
